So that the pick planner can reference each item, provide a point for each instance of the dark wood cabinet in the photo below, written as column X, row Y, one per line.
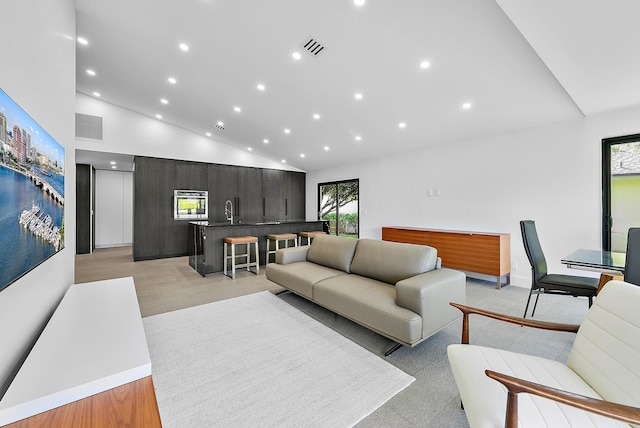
column 222, row 187
column 248, row 206
column 257, row 195
column 273, row 194
column 293, row 186
column 152, row 208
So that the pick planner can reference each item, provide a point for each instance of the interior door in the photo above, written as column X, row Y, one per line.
column 621, row 190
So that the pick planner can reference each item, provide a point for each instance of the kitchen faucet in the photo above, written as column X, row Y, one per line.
column 228, row 210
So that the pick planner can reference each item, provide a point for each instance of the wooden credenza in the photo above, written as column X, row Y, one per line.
column 481, row 252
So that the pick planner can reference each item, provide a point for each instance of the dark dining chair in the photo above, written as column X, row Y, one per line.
column 632, row 262
column 545, row 283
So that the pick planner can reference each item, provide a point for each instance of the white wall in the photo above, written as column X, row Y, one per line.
column 127, row 132
column 550, row 174
column 38, row 72
column 114, row 208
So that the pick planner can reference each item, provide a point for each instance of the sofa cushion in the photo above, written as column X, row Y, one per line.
column 370, row 303
column 391, row 262
column 332, row 251
column 485, row 399
column 300, row 277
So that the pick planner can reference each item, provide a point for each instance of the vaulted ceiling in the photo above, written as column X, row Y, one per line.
column 494, row 66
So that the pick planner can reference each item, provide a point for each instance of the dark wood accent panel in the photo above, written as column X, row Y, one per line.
column 486, row 253
column 83, row 209
column 130, row 405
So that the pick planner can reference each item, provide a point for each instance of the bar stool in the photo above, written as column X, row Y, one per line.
column 277, row 238
column 309, row 236
column 232, row 242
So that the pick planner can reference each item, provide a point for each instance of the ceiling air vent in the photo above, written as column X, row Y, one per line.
column 219, row 126
column 313, row 46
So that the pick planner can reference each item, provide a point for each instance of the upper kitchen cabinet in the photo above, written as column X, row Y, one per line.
column 249, row 199
column 294, row 190
column 273, row 194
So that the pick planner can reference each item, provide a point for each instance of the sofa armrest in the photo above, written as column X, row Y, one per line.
column 292, row 255
column 429, row 294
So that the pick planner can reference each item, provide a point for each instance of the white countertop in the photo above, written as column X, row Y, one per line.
column 94, row 341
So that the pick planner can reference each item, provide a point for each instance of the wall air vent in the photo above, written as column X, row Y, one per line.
column 88, row 127
column 313, row 46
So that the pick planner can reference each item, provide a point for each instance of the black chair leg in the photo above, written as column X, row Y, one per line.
column 535, row 305
column 590, row 301
column 526, row 308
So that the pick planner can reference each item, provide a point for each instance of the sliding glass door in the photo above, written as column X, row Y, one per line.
column 620, row 190
column 338, row 204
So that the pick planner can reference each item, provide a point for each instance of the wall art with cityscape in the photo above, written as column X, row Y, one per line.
column 31, row 193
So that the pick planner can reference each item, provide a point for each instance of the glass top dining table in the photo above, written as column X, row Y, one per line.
column 596, row 259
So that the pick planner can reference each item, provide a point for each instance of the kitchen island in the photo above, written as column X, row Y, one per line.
column 206, row 238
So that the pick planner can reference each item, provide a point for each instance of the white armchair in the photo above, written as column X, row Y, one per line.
column 599, row 382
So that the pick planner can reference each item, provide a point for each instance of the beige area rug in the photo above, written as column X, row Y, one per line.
column 257, row 361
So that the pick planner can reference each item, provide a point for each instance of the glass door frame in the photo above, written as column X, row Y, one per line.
column 607, row 220
column 337, row 183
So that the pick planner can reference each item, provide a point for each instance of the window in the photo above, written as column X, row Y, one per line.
column 620, row 190
column 338, row 204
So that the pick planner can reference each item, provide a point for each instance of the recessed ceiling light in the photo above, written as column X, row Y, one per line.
column 283, row 161
column 96, row 94
column 208, row 134
column 237, row 109
column 326, row 148
column 287, row 131
column 316, row 116
column 260, row 87
column 114, row 167
column 301, row 155
column 358, row 138
column 184, row 47
column 466, row 106
column 172, row 80
column 358, row 96
column 265, row 141
column 358, row 2
column 220, row 123
column 83, row 41
column 112, row 162
column 164, row 101
column 296, row 55
column 424, row 64
column 250, row 149
column 402, row 125
column 91, row 72
column 158, row 116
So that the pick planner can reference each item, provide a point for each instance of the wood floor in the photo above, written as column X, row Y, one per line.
column 166, row 285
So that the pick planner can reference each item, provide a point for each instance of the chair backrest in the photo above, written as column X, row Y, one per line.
column 533, row 249
column 606, row 351
column 632, row 263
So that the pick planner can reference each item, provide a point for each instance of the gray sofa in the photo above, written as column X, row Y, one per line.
column 397, row 290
